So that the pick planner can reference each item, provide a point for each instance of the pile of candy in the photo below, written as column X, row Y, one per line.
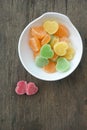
column 51, row 46
column 26, row 88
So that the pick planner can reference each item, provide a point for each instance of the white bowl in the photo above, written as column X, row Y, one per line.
column 26, row 55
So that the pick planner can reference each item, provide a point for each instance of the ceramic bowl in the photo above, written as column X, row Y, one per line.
column 26, row 55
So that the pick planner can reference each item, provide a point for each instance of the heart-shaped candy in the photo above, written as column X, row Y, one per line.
column 70, row 53
column 51, row 26
column 46, row 51
column 24, row 88
column 31, row 89
column 21, row 87
column 41, row 61
column 54, row 40
column 62, row 64
column 60, row 48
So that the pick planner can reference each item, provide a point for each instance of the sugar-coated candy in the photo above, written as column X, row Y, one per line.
column 62, row 64
column 60, row 48
column 38, row 32
column 50, row 67
column 54, row 40
column 34, row 44
column 26, row 88
column 21, row 87
column 54, row 58
column 51, row 46
column 70, row 53
column 36, row 53
column 31, row 88
column 62, row 31
column 46, row 39
column 41, row 61
column 46, row 51
column 51, row 26
column 65, row 39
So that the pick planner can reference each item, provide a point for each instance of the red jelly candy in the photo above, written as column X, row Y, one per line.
column 21, row 87
column 31, row 89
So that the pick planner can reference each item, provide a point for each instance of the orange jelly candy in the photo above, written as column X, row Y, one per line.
column 65, row 39
column 36, row 53
column 50, row 67
column 46, row 39
column 34, row 44
column 38, row 32
column 54, row 58
column 62, row 31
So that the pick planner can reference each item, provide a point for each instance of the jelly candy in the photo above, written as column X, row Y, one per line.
column 21, row 87
column 53, row 41
column 31, row 88
column 38, row 32
column 36, row 53
column 24, row 88
column 41, row 61
column 50, row 67
column 51, row 26
column 54, row 58
column 62, row 65
column 34, row 44
column 62, row 31
column 64, row 39
column 46, row 39
column 46, row 51
column 60, row 48
column 70, row 53
column 51, row 46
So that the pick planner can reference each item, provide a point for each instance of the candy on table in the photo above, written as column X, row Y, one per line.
column 41, row 61
column 46, row 51
column 50, row 26
column 38, row 32
column 62, row 65
column 21, row 87
column 31, row 88
column 46, row 39
column 53, row 41
column 24, row 88
column 70, row 53
column 34, row 44
column 50, row 67
column 62, row 31
column 60, row 48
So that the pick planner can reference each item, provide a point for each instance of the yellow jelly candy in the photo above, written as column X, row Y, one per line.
column 54, row 41
column 60, row 48
column 70, row 53
column 51, row 26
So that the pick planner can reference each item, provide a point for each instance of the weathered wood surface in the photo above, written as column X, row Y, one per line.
column 59, row 105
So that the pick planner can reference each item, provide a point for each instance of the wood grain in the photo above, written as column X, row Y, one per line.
column 59, row 105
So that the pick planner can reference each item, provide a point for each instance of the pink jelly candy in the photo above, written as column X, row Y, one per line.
column 21, row 87
column 31, row 88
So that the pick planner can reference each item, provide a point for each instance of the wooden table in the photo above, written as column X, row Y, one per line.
column 59, row 105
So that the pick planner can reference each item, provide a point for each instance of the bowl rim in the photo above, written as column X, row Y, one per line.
column 19, row 44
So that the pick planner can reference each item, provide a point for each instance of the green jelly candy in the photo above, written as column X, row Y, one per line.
column 46, row 51
column 41, row 61
column 62, row 64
